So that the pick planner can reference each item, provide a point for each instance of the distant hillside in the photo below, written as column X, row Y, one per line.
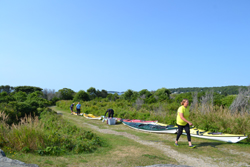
column 227, row 90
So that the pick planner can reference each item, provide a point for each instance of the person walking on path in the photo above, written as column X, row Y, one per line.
column 183, row 122
column 110, row 113
column 78, row 108
column 72, row 107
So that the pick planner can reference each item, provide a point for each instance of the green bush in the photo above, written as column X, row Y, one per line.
column 51, row 135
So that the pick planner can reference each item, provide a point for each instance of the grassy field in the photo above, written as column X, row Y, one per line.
column 143, row 149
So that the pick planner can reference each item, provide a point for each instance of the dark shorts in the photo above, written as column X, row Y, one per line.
column 71, row 109
column 111, row 115
column 78, row 111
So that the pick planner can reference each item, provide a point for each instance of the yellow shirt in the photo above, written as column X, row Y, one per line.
column 186, row 114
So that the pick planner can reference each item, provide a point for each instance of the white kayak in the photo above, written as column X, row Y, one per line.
column 231, row 138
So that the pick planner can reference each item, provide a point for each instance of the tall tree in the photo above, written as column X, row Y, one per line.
column 145, row 92
column 162, row 94
column 27, row 89
column 128, row 94
column 66, row 94
column 92, row 93
column 81, row 96
column 6, row 88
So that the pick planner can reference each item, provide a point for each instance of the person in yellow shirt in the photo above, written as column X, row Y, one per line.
column 183, row 122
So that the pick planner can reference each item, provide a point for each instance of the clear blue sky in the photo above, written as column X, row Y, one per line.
column 124, row 44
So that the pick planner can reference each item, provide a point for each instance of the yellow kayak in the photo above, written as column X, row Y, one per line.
column 91, row 116
column 74, row 113
column 231, row 138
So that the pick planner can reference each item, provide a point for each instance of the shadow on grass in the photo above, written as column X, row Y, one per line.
column 214, row 144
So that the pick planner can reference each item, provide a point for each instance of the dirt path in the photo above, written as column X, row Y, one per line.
column 183, row 159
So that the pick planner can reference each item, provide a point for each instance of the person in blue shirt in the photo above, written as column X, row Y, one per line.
column 78, row 108
column 71, row 108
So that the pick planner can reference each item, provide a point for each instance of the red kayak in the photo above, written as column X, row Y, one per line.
column 135, row 120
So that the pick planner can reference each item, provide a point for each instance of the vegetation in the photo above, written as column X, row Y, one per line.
column 27, row 126
column 51, row 135
column 209, row 110
column 224, row 90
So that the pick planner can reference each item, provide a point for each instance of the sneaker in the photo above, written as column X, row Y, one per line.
column 192, row 146
column 176, row 144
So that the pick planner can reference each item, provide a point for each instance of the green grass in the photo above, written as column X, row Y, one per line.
column 124, row 151
column 127, row 152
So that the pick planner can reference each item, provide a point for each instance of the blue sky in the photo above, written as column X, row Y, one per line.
column 119, row 45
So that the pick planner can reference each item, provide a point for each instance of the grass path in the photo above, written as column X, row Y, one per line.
column 207, row 153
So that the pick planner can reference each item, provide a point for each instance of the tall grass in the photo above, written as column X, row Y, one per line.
column 50, row 135
column 27, row 134
column 221, row 119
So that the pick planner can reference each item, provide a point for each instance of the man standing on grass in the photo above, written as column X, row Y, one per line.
column 71, row 108
column 78, row 108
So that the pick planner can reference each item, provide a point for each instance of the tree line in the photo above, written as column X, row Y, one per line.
column 23, row 100
column 225, row 90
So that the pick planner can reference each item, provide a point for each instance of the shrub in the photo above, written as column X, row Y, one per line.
column 51, row 135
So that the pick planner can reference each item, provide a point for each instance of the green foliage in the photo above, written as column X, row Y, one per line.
column 5, row 98
column 216, row 118
column 51, row 135
column 113, row 97
column 54, row 100
column 27, row 89
column 145, row 92
column 20, row 96
column 217, row 99
column 18, row 104
column 92, row 93
column 6, row 88
column 224, row 90
column 150, row 100
column 81, row 96
column 179, row 97
column 128, row 95
column 162, row 94
column 103, row 93
column 66, row 94
column 228, row 100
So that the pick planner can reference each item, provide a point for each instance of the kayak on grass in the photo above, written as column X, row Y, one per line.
column 231, row 138
column 152, row 128
column 91, row 116
column 74, row 113
column 136, row 121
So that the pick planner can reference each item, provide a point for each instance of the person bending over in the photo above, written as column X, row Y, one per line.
column 110, row 113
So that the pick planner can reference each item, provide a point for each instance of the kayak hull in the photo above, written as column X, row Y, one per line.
column 233, row 139
column 171, row 131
